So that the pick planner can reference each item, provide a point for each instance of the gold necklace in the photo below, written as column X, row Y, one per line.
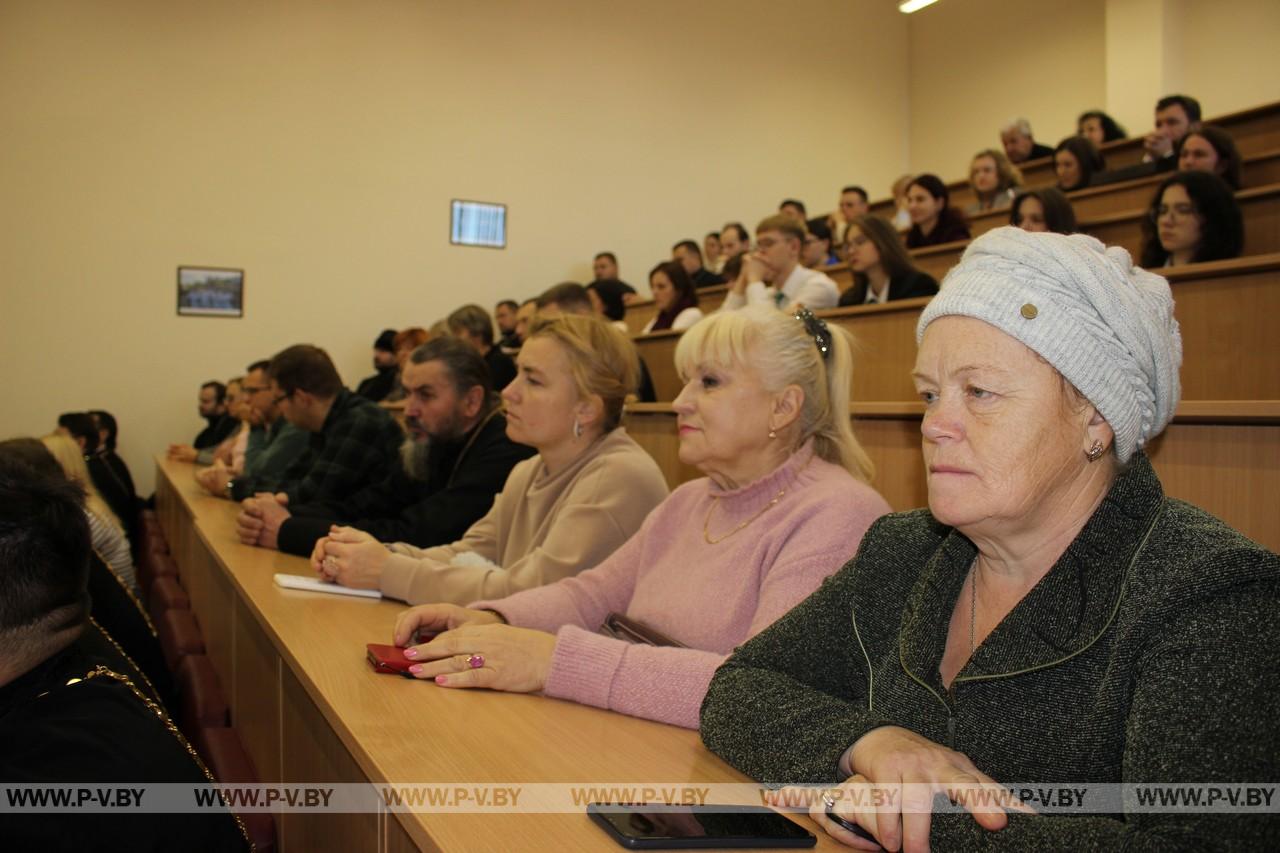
column 706, row 525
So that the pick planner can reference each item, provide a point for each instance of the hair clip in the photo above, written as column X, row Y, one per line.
column 817, row 328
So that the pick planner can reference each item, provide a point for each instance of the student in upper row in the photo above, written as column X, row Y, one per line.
column 1098, row 127
column 1193, row 218
column 994, row 181
column 1176, row 116
column 688, row 254
column 606, row 297
column 773, row 275
column 933, row 218
column 1076, row 160
column 794, row 208
column 816, row 251
column 853, row 203
column 882, row 269
column 504, row 315
column 473, row 325
column 383, row 381
column 1019, row 144
column 1044, row 209
column 605, row 268
column 674, row 296
column 764, row 414
column 901, row 212
column 564, row 510
column 404, row 343
column 734, row 241
column 1211, row 149
column 712, row 252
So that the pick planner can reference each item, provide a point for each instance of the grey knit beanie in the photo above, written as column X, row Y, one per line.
column 1104, row 324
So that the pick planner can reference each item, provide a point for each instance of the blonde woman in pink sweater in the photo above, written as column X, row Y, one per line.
column 765, row 414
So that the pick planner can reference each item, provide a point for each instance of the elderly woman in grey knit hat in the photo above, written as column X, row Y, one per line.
column 1051, row 619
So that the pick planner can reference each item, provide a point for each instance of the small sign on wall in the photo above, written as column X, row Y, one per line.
column 210, row 292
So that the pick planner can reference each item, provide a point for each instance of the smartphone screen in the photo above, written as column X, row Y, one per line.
column 639, row 826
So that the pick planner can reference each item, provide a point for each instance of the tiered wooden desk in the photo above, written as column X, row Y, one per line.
column 310, row 710
column 1222, row 452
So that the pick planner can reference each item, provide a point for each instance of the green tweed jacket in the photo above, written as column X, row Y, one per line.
column 1148, row 653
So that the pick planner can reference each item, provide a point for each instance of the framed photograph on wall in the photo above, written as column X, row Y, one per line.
column 210, row 292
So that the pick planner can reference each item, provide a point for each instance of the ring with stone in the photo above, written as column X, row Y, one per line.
column 829, row 799
column 475, row 661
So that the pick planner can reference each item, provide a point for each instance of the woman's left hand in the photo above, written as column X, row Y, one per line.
column 500, row 657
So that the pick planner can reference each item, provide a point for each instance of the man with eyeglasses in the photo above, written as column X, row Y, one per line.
column 455, row 459
column 273, row 444
column 772, row 274
column 351, row 441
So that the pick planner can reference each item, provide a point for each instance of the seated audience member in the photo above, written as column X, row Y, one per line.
column 1051, row 615
column 1044, row 209
column 882, row 269
column 353, row 442
column 1176, row 116
column 994, row 181
column 606, row 301
column 108, row 433
column 220, row 425
column 72, row 707
column 564, row 510
column 273, row 445
column 456, row 458
column 764, row 415
column 229, row 427
column 712, row 252
column 853, row 203
column 1076, row 161
column 524, row 317
column 688, row 254
column 1099, row 128
column 772, row 274
column 108, row 534
column 473, row 325
column 1019, row 144
column 117, row 492
column 1193, row 218
column 816, row 251
column 382, row 382
column 504, row 315
column 794, row 208
column 901, row 211
column 404, row 343
column 933, row 219
column 1211, row 149
column 605, row 268
column 734, row 241
column 674, row 296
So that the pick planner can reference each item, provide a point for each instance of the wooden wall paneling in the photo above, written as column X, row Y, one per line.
column 254, row 695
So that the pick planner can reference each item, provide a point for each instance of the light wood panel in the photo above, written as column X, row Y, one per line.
column 1231, row 470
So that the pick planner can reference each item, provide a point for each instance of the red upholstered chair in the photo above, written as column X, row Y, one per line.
column 166, row 594
column 179, row 636
column 152, row 565
column 203, row 702
column 228, row 762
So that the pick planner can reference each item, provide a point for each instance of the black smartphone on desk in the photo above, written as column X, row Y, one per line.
column 639, row 826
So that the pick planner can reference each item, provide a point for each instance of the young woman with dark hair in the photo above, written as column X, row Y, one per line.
column 675, row 298
column 1211, row 149
column 1045, row 209
column 1098, row 127
column 882, row 269
column 1076, row 160
column 933, row 219
column 1193, row 218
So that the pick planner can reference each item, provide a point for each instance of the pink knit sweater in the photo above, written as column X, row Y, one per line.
column 709, row 597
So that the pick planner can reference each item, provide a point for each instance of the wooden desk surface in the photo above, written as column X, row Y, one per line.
column 299, row 716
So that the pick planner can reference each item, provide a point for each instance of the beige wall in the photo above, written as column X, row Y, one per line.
column 975, row 64
column 1232, row 53
column 317, row 145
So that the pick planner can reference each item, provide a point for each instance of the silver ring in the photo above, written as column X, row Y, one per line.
column 828, row 799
